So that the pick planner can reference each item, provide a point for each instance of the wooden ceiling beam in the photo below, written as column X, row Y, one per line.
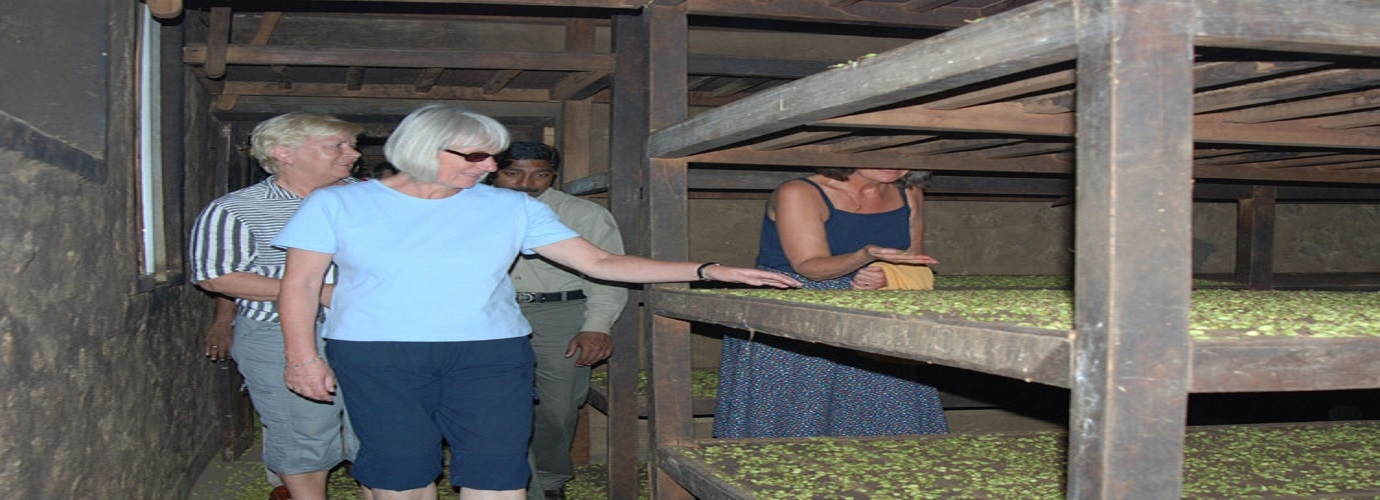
column 843, row 12
column 1341, row 103
column 383, row 92
column 1009, row 118
column 217, row 41
column 391, row 58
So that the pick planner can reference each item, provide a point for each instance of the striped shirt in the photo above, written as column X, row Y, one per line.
column 234, row 233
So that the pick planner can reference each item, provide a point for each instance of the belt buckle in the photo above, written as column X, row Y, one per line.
column 528, row 297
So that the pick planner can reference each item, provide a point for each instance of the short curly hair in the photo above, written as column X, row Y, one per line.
column 530, row 151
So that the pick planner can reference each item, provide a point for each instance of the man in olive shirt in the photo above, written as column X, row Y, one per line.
column 570, row 315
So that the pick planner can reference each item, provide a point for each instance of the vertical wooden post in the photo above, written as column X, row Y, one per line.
column 1255, row 238
column 1133, row 268
column 667, row 206
column 628, row 133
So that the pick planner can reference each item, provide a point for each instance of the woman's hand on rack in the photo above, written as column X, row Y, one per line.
column 869, row 278
column 747, row 276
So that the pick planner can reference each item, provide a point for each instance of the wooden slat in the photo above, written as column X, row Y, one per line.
column 1343, row 103
column 914, row 70
column 395, row 58
column 1344, row 27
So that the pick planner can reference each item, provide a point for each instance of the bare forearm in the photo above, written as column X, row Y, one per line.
column 297, row 313
column 634, row 269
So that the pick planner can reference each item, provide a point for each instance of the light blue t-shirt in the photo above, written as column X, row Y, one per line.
column 419, row 270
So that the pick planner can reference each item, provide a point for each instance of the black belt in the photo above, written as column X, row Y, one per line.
column 533, row 297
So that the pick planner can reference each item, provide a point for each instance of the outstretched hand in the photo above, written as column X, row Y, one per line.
column 747, row 276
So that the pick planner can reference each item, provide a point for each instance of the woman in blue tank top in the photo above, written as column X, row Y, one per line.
column 825, row 230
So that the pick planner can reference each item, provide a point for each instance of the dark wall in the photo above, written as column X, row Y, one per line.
column 105, row 394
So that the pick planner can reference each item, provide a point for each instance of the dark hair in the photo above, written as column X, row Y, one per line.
column 382, row 170
column 530, row 151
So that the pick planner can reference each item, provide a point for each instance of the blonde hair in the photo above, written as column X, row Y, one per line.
column 292, row 130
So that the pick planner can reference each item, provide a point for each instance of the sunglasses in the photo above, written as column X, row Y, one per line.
column 470, row 157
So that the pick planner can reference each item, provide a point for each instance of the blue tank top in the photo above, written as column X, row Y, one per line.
column 846, row 232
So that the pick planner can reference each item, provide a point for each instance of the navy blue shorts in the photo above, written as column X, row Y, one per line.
column 405, row 397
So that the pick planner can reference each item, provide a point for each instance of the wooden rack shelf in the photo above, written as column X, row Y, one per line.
column 1320, row 460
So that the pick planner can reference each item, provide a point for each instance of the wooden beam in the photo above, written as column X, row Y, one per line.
column 955, row 145
column 1010, row 118
column 797, row 139
column 914, row 70
column 1343, row 103
column 426, row 80
column 1285, row 88
column 1133, row 266
column 164, row 9
column 399, row 58
column 995, row 93
column 580, row 86
column 1255, row 238
column 872, row 143
column 383, row 92
column 217, row 40
column 711, row 64
column 500, row 80
column 925, row 5
column 1346, row 28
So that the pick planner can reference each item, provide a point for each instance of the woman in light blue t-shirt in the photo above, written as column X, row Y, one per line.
column 423, row 331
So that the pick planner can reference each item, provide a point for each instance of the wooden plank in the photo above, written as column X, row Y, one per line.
column 403, row 58
column 577, row 124
column 995, row 93
column 1028, row 354
column 426, row 79
column 627, row 121
column 1283, row 364
column 1133, row 250
column 1353, row 120
column 1342, row 103
column 384, row 92
column 797, row 139
column 918, row 69
column 218, row 41
column 580, row 86
column 1344, row 27
column 1255, row 238
column 753, row 67
column 500, row 80
column 944, row 146
column 864, row 13
column 1012, row 118
column 871, row 143
column 1286, row 88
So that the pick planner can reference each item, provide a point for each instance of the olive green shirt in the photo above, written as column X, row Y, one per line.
column 533, row 273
